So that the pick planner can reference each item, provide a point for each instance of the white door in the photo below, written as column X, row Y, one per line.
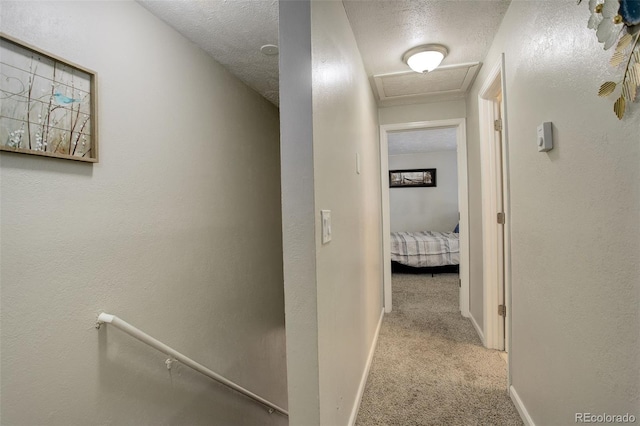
column 499, row 191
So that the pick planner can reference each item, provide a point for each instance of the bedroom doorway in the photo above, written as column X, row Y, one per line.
column 456, row 126
column 495, row 210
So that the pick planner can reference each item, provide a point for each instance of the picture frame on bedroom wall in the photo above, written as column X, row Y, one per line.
column 47, row 104
column 413, row 178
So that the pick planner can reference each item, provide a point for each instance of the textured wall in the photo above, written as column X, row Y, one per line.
column 349, row 267
column 426, row 209
column 575, row 218
column 334, row 297
column 177, row 230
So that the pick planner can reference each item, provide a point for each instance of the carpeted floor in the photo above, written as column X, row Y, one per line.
column 430, row 367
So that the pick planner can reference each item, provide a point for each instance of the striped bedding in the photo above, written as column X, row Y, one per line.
column 425, row 248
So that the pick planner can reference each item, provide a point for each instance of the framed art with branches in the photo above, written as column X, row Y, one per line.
column 47, row 104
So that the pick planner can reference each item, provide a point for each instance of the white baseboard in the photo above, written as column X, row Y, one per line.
column 478, row 330
column 365, row 374
column 522, row 410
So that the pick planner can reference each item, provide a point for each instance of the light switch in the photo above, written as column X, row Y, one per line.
column 325, row 216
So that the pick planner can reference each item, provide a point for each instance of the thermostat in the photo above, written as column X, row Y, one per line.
column 545, row 137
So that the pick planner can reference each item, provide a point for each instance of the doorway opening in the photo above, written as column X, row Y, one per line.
column 458, row 125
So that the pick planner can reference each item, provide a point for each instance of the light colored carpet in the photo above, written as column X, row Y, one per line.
column 430, row 367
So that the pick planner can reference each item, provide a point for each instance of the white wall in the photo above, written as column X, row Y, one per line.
column 346, row 287
column 177, row 230
column 429, row 208
column 422, row 112
column 575, row 237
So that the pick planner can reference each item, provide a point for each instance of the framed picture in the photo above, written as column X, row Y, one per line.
column 412, row 178
column 47, row 104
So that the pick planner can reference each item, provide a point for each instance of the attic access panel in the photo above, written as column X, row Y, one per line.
column 454, row 80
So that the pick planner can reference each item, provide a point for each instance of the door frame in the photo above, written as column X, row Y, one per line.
column 463, row 203
column 492, row 279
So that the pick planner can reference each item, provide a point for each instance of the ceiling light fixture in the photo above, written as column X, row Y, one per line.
column 425, row 58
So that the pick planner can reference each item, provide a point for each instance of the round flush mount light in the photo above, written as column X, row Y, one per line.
column 269, row 49
column 425, row 58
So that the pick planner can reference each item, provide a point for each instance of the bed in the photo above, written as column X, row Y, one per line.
column 425, row 251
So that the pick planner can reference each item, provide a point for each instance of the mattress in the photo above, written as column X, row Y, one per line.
column 425, row 248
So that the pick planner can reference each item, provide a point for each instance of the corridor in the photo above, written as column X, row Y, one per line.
column 430, row 367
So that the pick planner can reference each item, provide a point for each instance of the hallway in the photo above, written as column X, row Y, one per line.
column 430, row 367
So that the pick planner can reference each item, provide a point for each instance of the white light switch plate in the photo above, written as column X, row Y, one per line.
column 326, row 225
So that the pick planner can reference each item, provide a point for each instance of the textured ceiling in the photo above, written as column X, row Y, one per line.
column 386, row 29
column 232, row 32
column 419, row 141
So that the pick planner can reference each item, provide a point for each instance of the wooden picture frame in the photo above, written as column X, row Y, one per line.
column 47, row 104
column 413, row 178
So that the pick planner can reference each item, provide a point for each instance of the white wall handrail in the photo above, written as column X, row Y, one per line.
column 105, row 318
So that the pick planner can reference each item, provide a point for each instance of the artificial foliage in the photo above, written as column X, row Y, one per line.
column 617, row 22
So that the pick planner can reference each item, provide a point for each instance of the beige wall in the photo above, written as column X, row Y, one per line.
column 177, row 230
column 337, row 294
column 575, row 217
